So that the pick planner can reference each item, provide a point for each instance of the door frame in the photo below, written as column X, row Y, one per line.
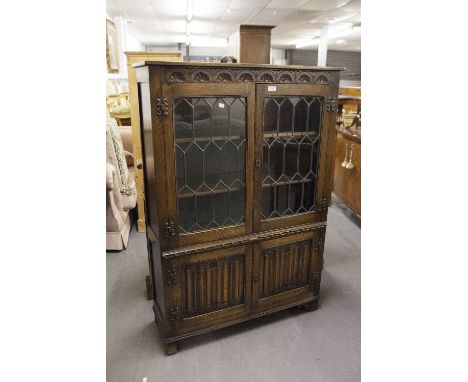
column 323, row 184
column 171, row 91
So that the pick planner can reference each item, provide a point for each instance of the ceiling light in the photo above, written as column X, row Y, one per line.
column 343, row 3
column 187, row 30
column 228, row 10
column 189, row 9
column 340, row 41
column 208, row 42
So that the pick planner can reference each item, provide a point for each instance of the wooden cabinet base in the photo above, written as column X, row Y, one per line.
column 219, row 285
column 172, row 343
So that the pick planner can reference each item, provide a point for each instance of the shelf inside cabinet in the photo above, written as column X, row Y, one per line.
column 287, row 182
column 296, row 134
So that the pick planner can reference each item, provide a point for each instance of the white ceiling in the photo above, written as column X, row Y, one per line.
column 164, row 22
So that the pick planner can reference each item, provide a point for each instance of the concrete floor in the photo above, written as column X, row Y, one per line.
column 288, row 346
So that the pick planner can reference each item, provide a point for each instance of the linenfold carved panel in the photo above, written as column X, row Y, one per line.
column 285, row 268
column 213, row 285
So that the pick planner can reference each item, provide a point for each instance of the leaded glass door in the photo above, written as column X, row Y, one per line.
column 292, row 137
column 211, row 141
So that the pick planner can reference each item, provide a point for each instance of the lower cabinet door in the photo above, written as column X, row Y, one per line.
column 287, row 270
column 213, row 288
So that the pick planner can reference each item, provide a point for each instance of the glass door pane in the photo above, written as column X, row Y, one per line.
column 210, row 162
column 291, row 144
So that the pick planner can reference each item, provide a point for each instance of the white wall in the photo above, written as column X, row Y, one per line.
column 278, row 57
column 233, row 45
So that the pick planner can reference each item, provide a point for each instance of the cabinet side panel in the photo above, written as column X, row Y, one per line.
column 148, row 154
column 157, row 273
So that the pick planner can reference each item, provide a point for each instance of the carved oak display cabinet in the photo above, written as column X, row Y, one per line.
column 237, row 162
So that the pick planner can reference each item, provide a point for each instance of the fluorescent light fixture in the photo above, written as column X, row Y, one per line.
column 305, row 43
column 190, row 9
column 187, row 30
column 208, row 42
column 340, row 41
column 343, row 3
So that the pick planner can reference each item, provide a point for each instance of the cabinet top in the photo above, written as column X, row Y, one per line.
column 233, row 66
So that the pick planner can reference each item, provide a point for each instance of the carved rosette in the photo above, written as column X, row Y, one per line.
column 315, row 280
column 331, row 104
column 162, row 107
column 318, row 249
column 322, row 205
column 169, row 228
column 172, row 277
column 173, row 313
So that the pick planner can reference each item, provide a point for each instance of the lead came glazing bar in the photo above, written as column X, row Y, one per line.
column 291, row 135
column 210, row 162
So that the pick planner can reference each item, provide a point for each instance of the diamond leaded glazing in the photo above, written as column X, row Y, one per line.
column 210, row 162
column 291, row 142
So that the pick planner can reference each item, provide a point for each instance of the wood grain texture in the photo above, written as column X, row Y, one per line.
column 220, row 276
column 347, row 182
column 254, row 44
column 133, row 57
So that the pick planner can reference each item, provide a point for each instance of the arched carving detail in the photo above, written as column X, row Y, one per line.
column 304, row 77
column 266, row 77
column 286, row 77
column 201, row 77
column 176, row 77
column 323, row 79
column 246, row 76
column 224, row 76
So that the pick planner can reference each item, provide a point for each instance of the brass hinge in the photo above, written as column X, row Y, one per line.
column 331, row 104
column 169, row 229
column 162, row 107
column 173, row 313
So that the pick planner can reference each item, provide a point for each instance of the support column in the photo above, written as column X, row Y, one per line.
column 322, row 48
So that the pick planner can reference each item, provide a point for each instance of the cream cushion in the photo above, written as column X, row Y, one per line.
column 116, row 157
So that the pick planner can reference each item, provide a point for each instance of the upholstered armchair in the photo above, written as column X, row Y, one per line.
column 120, row 190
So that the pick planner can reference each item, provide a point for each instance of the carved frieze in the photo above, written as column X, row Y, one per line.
column 187, row 74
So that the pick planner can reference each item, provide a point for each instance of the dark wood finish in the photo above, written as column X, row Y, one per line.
column 347, row 181
column 254, row 44
column 202, row 278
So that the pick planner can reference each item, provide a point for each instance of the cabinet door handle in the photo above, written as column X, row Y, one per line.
column 255, row 276
column 257, row 163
